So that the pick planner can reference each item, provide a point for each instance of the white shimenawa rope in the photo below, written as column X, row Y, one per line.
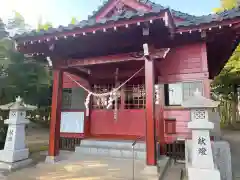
column 102, row 94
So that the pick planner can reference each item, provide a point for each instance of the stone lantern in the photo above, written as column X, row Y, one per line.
column 15, row 153
column 200, row 156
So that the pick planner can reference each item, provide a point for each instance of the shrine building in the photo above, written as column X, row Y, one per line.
column 123, row 73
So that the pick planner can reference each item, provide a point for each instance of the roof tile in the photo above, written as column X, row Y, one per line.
column 190, row 20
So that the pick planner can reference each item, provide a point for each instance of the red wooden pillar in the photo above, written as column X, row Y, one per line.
column 207, row 88
column 54, row 135
column 150, row 122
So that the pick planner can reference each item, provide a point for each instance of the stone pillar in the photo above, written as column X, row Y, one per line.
column 15, row 153
column 201, row 156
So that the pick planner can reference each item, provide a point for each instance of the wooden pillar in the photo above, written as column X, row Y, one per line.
column 150, row 122
column 207, row 88
column 54, row 136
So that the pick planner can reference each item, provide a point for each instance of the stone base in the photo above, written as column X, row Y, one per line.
column 113, row 149
column 52, row 159
column 6, row 166
column 199, row 174
column 222, row 159
column 150, row 172
column 13, row 155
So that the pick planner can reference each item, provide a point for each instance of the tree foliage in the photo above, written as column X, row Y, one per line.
column 43, row 26
column 225, row 83
column 227, row 5
column 224, row 86
column 17, row 24
column 21, row 75
column 229, row 77
column 3, row 31
column 74, row 20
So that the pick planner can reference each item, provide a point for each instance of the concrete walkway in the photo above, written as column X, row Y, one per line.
column 81, row 168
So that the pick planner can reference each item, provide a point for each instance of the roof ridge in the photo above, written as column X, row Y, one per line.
column 150, row 3
column 189, row 20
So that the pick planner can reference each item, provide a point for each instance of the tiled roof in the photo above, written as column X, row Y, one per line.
column 92, row 23
column 149, row 3
column 190, row 20
column 211, row 18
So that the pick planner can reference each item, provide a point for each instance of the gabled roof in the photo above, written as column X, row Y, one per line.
column 211, row 18
column 188, row 22
column 149, row 3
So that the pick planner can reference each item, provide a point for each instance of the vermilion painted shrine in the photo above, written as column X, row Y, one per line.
column 103, row 52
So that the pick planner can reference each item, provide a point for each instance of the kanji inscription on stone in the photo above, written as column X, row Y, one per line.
column 202, row 149
column 10, row 135
column 201, row 141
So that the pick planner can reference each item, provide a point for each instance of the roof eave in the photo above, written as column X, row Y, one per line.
column 99, row 26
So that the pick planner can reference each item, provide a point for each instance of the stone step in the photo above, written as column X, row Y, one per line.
column 113, row 144
column 163, row 164
column 111, row 152
column 115, row 149
column 175, row 172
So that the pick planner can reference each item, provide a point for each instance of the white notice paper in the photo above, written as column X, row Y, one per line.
column 72, row 122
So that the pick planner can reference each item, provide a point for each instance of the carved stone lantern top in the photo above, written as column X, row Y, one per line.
column 18, row 105
column 197, row 101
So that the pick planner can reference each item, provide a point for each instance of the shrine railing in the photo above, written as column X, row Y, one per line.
column 69, row 143
column 176, row 150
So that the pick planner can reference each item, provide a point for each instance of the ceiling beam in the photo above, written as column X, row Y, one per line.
column 77, row 72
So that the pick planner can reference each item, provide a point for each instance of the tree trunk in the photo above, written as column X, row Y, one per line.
column 234, row 106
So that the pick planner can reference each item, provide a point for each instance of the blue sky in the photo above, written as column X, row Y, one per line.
column 60, row 12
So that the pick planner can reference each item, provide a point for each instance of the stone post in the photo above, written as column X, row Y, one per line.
column 15, row 154
column 201, row 162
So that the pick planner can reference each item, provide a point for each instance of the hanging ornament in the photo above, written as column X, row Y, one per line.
column 110, row 101
column 87, row 103
column 115, row 114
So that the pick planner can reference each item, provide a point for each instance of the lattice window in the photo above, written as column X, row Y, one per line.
column 200, row 114
column 66, row 98
column 102, row 102
column 135, row 96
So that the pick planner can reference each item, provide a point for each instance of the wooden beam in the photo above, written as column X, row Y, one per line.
column 169, row 22
column 54, row 136
column 77, row 72
column 150, row 121
column 137, row 5
column 133, row 56
column 106, row 9
column 98, row 60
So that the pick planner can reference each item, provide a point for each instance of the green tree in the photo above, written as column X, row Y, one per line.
column 17, row 24
column 43, row 26
column 74, row 20
column 224, row 86
column 25, row 76
column 227, row 5
column 3, row 32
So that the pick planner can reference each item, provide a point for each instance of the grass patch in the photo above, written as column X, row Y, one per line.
column 33, row 148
